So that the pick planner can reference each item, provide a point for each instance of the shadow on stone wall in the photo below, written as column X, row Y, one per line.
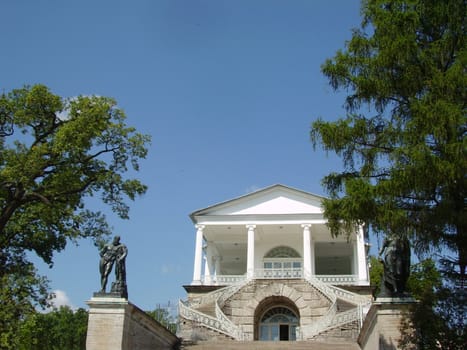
column 116, row 324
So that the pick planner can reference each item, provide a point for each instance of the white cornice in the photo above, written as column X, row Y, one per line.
column 259, row 219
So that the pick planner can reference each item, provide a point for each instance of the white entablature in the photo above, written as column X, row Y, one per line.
column 276, row 232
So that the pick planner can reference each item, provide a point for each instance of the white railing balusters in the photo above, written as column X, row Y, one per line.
column 292, row 273
column 221, row 323
column 325, row 284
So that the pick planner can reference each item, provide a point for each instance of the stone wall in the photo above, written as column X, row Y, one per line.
column 116, row 324
column 383, row 324
column 191, row 331
column 243, row 307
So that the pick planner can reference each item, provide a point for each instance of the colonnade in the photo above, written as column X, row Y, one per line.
column 308, row 254
column 308, row 248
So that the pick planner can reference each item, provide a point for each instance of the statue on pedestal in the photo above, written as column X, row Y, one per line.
column 396, row 261
column 114, row 253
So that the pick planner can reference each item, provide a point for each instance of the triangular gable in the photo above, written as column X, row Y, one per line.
column 276, row 199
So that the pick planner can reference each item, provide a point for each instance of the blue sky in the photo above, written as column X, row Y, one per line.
column 226, row 89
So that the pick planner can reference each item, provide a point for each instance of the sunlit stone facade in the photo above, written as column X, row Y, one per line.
column 266, row 268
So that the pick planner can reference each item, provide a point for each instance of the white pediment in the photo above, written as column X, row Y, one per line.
column 274, row 200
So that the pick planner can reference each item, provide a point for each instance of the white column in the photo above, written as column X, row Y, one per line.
column 307, row 269
column 198, row 255
column 361, row 256
column 250, row 262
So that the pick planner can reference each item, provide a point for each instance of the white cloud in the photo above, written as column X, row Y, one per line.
column 61, row 299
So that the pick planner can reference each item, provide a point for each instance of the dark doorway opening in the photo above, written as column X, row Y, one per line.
column 284, row 332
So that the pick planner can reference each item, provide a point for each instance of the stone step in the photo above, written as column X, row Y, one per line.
column 343, row 305
column 207, row 309
column 270, row 345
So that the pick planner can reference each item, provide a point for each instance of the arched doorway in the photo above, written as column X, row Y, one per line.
column 276, row 318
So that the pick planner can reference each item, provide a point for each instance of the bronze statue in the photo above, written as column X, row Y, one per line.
column 396, row 262
column 114, row 253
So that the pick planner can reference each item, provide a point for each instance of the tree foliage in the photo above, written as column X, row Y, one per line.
column 402, row 140
column 60, row 329
column 164, row 317
column 439, row 314
column 55, row 153
column 376, row 274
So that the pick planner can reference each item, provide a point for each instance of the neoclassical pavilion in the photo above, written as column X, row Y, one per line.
column 266, row 268
column 276, row 232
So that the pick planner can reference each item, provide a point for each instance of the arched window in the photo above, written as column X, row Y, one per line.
column 282, row 262
column 278, row 323
column 282, row 252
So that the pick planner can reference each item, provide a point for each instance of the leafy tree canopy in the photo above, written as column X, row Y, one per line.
column 55, row 153
column 403, row 147
column 60, row 329
column 162, row 315
column 402, row 141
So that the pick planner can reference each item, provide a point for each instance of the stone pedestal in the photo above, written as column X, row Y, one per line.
column 106, row 323
column 116, row 324
column 382, row 327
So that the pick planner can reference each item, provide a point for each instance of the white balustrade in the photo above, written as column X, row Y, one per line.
column 282, row 273
column 279, row 273
column 221, row 322
column 350, row 297
column 325, row 284
column 338, row 279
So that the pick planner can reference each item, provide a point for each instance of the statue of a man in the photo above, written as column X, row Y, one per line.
column 120, row 268
column 114, row 253
column 396, row 262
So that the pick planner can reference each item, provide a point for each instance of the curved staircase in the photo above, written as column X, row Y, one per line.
column 341, row 322
column 205, row 311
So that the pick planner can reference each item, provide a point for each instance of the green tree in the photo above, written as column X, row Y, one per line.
column 163, row 316
column 54, row 154
column 376, row 274
column 402, row 140
column 60, row 329
column 405, row 160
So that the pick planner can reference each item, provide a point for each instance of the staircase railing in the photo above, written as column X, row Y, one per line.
column 231, row 290
column 323, row 321
column 350, row 297
column 214, row 323
column 213, row 296
column 236, row 332
column 233, row 330
column 321, row 286
column 333, row 319
column 220, row 323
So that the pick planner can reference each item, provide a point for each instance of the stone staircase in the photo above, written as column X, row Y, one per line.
column 342, row 334
column 207, row 309
column 267, row 345
column 212, row 311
